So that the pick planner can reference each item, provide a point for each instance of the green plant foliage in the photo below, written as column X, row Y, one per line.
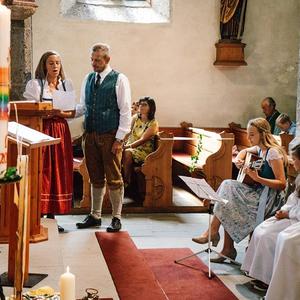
column 195, row 157
column 10, row 175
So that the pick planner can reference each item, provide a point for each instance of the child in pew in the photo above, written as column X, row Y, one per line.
column 265, row 260
column 285, row 124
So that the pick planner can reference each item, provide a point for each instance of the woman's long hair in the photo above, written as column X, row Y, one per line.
column 152, row 107
column 296, row 152
column 41, row 69
column 266, row 137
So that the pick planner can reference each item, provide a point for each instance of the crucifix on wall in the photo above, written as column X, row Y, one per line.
column 230, row 49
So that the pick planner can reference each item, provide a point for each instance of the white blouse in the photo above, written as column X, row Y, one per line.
column 293, row 206
column 273, row 153
column 33, row 89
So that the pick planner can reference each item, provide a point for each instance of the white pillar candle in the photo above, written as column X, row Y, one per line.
column 67, row 286
column 4, row 83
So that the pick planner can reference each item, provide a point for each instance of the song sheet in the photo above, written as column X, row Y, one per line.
column 202, row 189
column 64, row 100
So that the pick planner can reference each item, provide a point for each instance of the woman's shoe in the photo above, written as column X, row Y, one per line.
column 220, row 259
column 259, row 285
column 204, row 239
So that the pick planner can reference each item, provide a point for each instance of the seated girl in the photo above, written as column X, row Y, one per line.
column 267, row 243
column 140, row 142
column 248, row 204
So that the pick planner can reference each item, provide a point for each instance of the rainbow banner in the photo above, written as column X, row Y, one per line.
column 4, row 84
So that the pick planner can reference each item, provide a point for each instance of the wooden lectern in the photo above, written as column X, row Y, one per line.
column 20, row 208
column 29, row 114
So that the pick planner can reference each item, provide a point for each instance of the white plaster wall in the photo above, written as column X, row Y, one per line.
column 174, row 62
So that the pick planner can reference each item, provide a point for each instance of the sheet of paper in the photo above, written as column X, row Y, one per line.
column 64, row 100
column 202, row 189
column 27, row 134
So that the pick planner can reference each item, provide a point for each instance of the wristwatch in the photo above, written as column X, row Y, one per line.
column 119, row 141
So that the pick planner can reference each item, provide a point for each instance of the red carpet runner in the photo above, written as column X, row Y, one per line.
column 152, row 274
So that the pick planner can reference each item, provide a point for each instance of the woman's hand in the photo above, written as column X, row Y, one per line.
column 239, row 163
column 252, row 173
column 282, row 214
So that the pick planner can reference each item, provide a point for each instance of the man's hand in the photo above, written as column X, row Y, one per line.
column 116, row 147
column 282, row 214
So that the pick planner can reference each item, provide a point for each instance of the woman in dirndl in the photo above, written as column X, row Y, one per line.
column 248, row 205
column 57, row 177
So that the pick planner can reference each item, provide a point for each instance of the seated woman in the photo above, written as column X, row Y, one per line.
column 267, row 243
column 247, row 204
column 140, row 142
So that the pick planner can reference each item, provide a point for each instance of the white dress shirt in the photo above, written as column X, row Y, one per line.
column 123, row 99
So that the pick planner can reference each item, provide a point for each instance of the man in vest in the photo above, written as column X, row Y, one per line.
column 106, row 102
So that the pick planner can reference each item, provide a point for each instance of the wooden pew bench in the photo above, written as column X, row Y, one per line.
column 215, row 160
column 241, row 140
column 157, row 170
column 157, row 173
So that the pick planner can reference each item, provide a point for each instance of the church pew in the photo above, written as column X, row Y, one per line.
column 156, row 172
column 241, row 140
column 285, row 140
column 215, row 160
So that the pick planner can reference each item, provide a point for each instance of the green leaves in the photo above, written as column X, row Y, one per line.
column 195, row 157
column 10, row 175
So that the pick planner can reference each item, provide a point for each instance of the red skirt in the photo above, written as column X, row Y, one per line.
column 57, row 182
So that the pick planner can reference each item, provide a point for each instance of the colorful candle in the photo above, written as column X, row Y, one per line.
column 4, row 83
